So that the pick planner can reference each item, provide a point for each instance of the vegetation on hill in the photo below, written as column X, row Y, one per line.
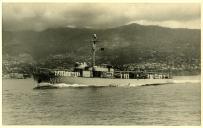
column 129, row 44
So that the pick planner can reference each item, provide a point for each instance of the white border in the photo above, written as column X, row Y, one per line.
column 104, row 1
column 98, row 1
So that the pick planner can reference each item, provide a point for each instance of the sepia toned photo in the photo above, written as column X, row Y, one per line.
column 119, row 64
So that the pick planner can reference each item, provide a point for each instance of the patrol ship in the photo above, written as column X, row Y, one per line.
column 98, row 75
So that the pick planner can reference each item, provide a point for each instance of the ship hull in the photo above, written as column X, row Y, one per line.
column 111, row 82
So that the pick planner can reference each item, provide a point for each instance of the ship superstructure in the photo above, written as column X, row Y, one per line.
column 87, row 74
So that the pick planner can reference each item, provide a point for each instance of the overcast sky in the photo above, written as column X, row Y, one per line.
column 39, row 16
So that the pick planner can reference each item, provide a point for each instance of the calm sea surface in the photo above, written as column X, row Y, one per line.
column 172, row 104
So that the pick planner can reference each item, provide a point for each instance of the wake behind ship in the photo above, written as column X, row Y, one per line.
column 99, row 75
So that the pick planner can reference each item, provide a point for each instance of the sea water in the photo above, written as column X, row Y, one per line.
column 170, row 104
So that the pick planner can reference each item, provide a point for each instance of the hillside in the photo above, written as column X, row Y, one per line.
column 132, row 43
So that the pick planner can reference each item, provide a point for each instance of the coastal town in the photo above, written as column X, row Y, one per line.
column 13, row 68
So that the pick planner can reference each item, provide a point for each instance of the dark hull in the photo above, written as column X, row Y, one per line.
column 46, row 87
column 107, row 81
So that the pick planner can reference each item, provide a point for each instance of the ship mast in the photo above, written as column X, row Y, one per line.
column 94, row 40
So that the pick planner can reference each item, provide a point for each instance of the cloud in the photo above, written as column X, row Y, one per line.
column 40, row 16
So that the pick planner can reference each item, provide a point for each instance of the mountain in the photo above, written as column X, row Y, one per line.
column 131, row 43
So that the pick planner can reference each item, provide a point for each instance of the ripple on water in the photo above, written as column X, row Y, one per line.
column 172, row 104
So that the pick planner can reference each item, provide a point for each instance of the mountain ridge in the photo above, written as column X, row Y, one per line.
column 128, row 42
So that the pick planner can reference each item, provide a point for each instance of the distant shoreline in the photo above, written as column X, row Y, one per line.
column 177, row 77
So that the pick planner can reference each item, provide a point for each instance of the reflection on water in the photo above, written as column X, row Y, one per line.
column 172, row 104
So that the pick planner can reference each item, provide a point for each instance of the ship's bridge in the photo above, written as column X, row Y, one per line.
column 103, row 71
column 103, row 68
